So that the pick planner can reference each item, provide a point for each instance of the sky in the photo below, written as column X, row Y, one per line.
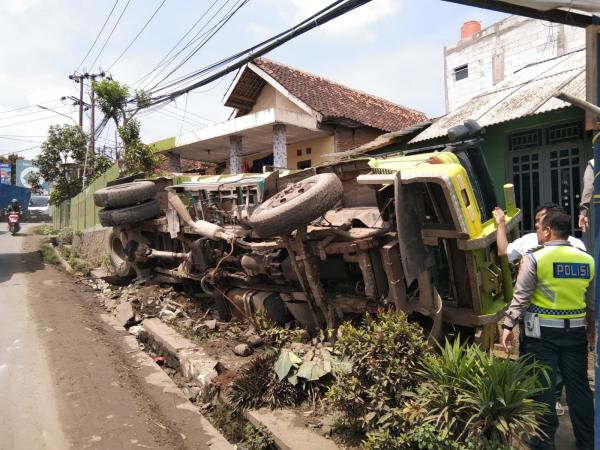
column 389, row 48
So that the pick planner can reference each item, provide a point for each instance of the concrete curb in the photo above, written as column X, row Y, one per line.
column 63, row 261
column 194, row 364
column 288, row 431
column 156, row 376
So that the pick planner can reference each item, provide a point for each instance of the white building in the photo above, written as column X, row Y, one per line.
column 482, row 58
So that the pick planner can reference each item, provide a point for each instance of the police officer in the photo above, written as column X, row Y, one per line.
column 554, row 296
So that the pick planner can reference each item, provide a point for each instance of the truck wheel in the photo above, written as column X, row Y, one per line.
column 296, row 205
column 125, row 194
column 121, row 265
column 129, row 214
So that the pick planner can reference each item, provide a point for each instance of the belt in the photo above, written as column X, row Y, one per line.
column 563, row 323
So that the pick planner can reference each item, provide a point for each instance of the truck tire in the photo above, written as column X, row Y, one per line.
column 125, row 194
column 118, row 260
column 129, row 214
column 296, row 205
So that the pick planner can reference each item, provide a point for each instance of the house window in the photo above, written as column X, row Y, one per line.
column 299, row 152
column 461, row 72
column 525, row 139
column 303, row 164
column 308, row 150
column 564, row 133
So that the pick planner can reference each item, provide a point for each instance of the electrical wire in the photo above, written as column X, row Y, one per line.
column 212, row 32
column 160, row 63
column 334, row 10
column 111, row 33
column 98, row 35
column 28, row 106
column 137, row 35
column 20, row 140
column 20, row 151
column 198, row 36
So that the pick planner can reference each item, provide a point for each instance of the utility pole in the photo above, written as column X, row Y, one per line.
column 79, row 79
column 89, row 154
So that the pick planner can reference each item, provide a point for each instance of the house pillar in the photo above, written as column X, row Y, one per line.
column 279, row 146
column 174, row 162
column 235, row 154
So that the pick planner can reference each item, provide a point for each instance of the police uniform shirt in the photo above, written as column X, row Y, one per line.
column 526, row 284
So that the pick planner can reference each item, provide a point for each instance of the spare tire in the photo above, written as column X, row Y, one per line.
column 118, row 259
column 125, row 194
column 129, row 214
column 296, row 205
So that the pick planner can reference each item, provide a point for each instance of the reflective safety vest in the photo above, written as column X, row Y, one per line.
column 563, row 275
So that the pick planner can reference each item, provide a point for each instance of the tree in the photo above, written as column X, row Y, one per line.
column 115, row 103
column 35, row 181
column 61, row 162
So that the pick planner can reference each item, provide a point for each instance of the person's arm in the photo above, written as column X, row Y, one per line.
column 524, row 287
column 501, row 240
column 586, row 197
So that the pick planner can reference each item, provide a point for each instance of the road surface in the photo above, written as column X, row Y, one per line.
column 67, row 377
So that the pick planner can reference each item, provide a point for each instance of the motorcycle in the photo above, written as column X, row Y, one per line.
column 14, row 224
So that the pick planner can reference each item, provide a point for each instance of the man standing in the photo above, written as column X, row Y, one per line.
column 551, row 292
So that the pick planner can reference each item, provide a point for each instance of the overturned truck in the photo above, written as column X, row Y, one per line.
column 412, row 231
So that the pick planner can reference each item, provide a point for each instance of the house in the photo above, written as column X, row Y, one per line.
column 483, row 58
column 287, row 118
column 532, row 139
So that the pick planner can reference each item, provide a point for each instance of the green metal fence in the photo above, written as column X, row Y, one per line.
column 80, row 213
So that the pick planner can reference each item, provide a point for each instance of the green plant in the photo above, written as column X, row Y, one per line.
column 471, row 394
column 276, row 335
column 258, row 438
column 385, row 351
column 49, row 254
column 44, row 230
column 236, row 429
column 65, row 236
column 257, row 386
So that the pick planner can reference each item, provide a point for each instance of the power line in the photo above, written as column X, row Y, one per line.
column 137, row 35
column 20, row 140
column 30, row 113
column 327, row 14
column 98, row 35
column 198, row 35
column 160, row 63
column 237, row 6
column 28, row 121
column 111, row 33
column 28, row 106
column 20, row 151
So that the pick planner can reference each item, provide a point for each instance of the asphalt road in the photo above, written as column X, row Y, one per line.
column 70, row 379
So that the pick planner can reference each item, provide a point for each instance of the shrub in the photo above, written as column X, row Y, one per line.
column 258, row 386
column 65, row 236
column 469, row 394
column 386, row 351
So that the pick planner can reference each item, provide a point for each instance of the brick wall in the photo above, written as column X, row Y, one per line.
column 502, row 49
column 348, row 138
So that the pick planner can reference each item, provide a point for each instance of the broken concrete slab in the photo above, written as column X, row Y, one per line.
column 193, row 363
column 166, row 337
column 125, row 314
column 288, row 430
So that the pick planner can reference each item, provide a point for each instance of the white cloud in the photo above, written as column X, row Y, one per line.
column 357, row 23
column 410, row 76
column 260, row 31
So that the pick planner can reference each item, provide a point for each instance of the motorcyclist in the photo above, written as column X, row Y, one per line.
column 13, row 207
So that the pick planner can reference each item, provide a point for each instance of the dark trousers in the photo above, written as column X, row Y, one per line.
column 565, row 350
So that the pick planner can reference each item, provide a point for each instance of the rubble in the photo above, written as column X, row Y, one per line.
column 242, row 350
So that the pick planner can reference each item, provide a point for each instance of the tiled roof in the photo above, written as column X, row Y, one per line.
column 524, row 93
column 333, row 100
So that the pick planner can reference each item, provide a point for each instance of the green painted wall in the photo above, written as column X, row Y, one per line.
column 80, row 213
column 495, row 146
